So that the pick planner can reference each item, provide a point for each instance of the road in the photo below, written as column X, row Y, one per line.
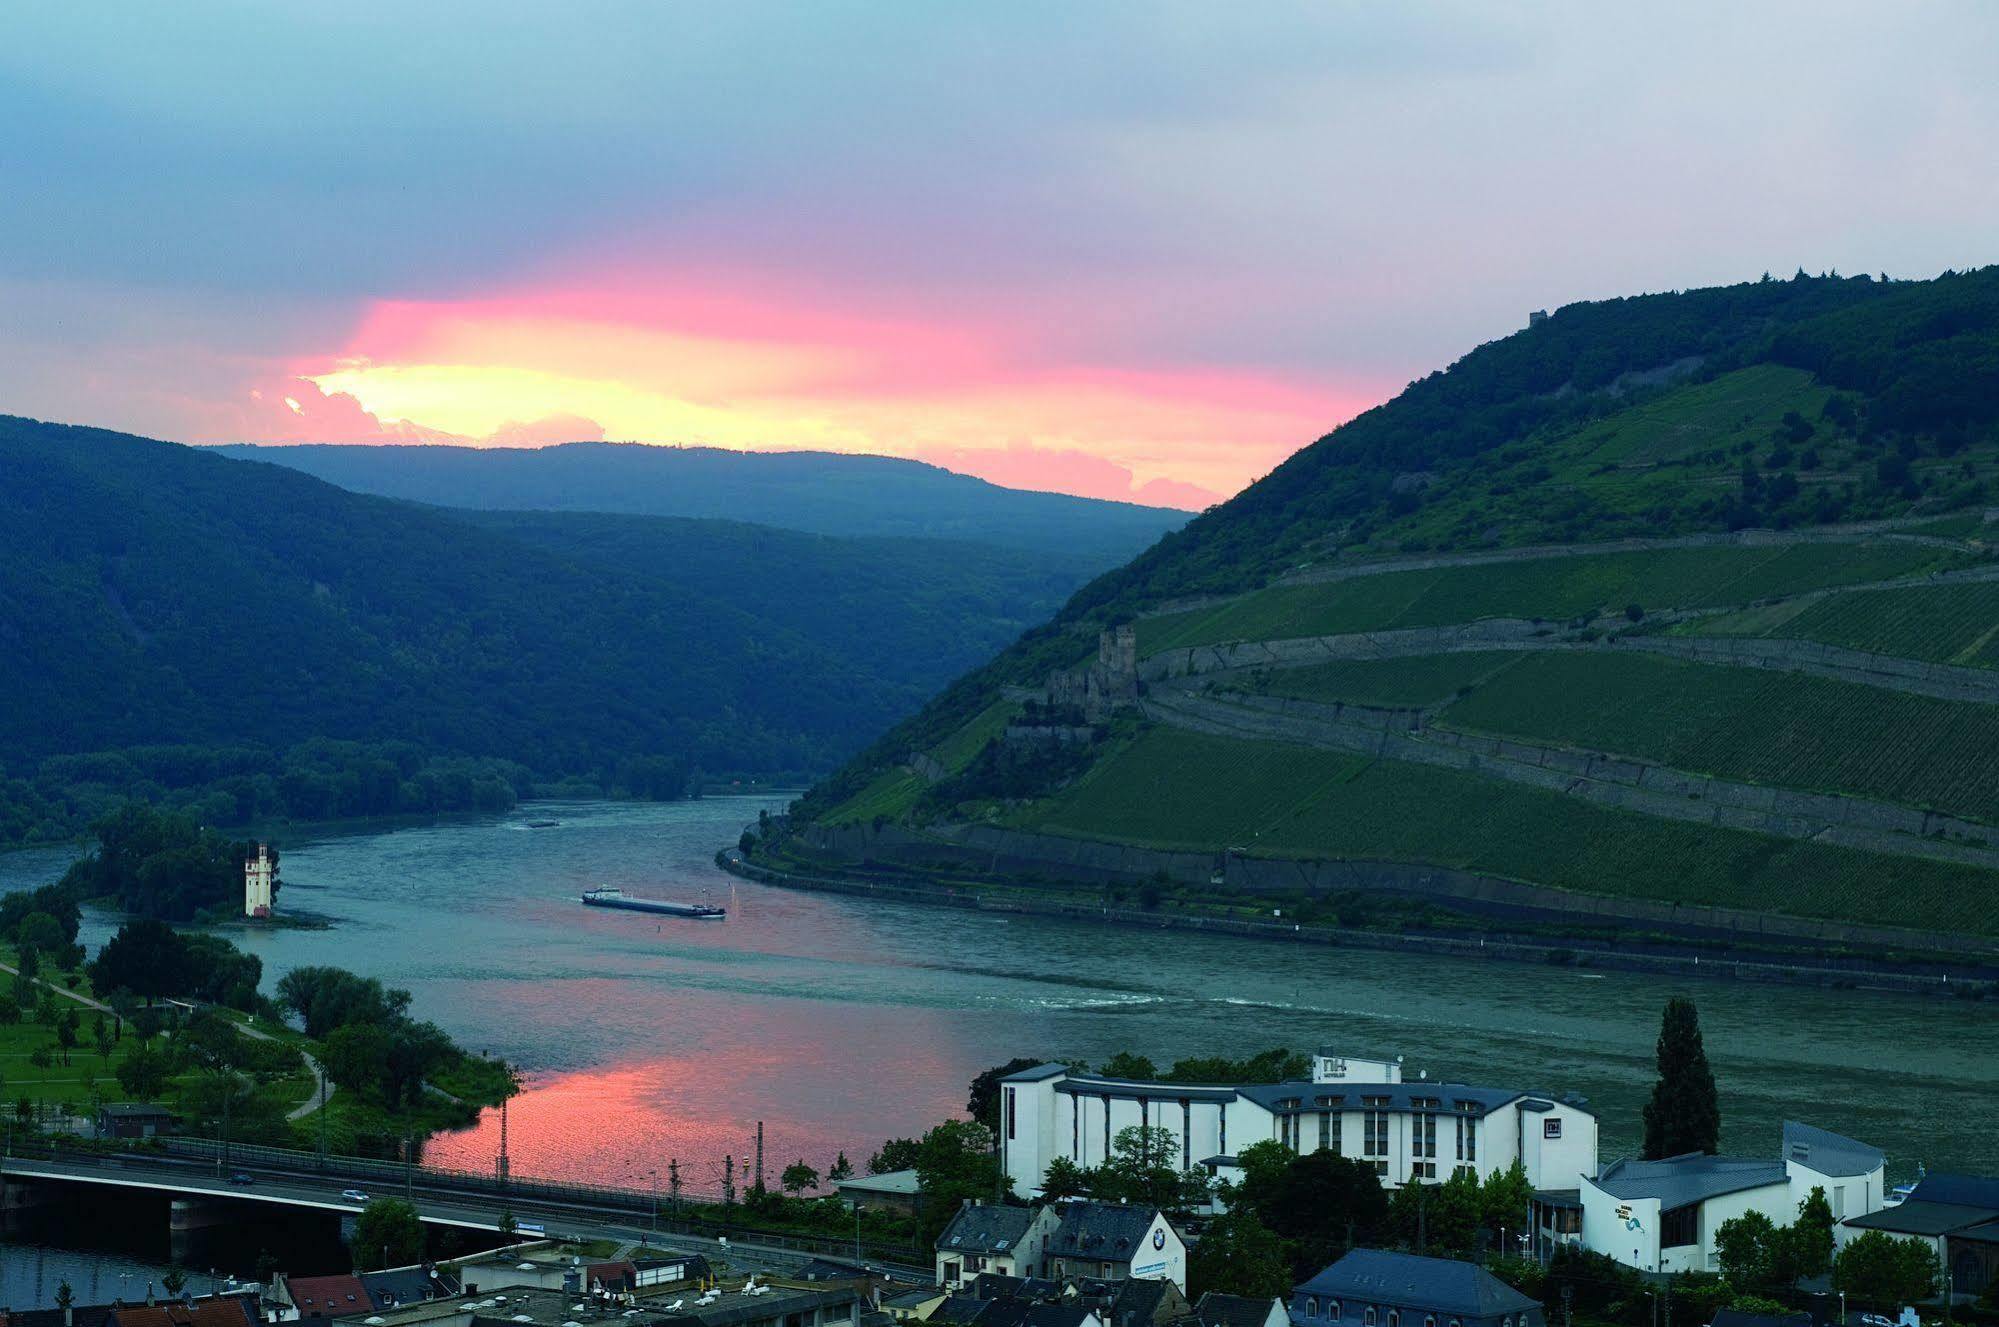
column 436, row 1203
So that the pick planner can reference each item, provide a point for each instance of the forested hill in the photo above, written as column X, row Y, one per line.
column 1683, row 597
column 814, row 491
column 256, row 642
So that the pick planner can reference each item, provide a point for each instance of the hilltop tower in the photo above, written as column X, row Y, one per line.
column 259, row 873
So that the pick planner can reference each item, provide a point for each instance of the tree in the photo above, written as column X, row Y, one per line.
column 1238, row 1255
column 893, row 1155
column 387, row 1233
column 1808, row 1246
column 841, row 1169
column 1064, row 1179
column 100, row 1036
column 1886, row 1270
column 66, row 1027
column 1132, row 1068
column 983, row 1102
column 146, row 957
column 1320, row 1203
column 955, row 1161
column 65, row 1298
column 173, row 1281
column 1684, row 1114
column 798, row 1177
column 1456, row 1213
column 1143, row 1169
column 40, row 931
column 1747, row 1248
column 1504, row 1200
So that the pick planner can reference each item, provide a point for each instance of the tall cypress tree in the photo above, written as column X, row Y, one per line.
column 1684, row 1114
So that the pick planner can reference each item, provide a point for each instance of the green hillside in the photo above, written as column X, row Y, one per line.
column 254, row 644
column 1685, row 597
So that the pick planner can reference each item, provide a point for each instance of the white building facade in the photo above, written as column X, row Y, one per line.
column 1409, row 1131
column 1662, row 1216
column 259, row 875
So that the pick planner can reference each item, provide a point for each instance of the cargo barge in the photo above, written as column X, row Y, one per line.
column 617, row 898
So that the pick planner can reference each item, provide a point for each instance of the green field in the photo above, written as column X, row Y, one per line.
column 1750, row 724
column 1736, row 408
column 1424, row 680
column 1172, row 789
column 1555, row 588
column 894, row 790
column 1954, row 624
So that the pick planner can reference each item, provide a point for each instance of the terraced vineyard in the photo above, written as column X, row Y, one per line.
column 1954, row 624
column 1172, row 789
column 1787, row 729
column 1547, row 587
column 1424, row 680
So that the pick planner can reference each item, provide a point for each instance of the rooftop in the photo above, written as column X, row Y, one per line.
column 890, row 1181
column 1412, row 1281
column 1106, row 1232
column 1690, row 1178
column 985, row 1228
column 1218, row 1310
column 1829, row 1153
column 1916, row 1216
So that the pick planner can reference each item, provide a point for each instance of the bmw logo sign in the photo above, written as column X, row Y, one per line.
column 1159, row 1239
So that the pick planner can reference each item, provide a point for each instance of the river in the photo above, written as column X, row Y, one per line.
column 840, row 1021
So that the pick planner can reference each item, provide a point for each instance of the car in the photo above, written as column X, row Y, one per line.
column 354, row 1195
column 240, row 1179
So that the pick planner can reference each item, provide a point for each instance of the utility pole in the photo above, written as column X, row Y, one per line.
column 728, row 1181
column 409, row 1168
column 500, row 1167
column 322, row 1117
column 673, row 1182
column 760, row 1156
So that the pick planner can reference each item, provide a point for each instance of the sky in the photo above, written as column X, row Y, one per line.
column 1128, row 250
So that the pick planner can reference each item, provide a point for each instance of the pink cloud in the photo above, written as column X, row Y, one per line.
column 297, row 410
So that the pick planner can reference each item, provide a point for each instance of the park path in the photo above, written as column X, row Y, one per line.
column 312, row 1065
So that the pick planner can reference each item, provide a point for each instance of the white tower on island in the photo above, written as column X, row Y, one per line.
column 258, row 873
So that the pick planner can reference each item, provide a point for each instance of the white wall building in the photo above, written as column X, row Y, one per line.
column 1113, row 1242
column 993, row 1237
column 1418, row 1130
column 1662, row 1216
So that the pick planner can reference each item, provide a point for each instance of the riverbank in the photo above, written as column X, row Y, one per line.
column 1660, row 955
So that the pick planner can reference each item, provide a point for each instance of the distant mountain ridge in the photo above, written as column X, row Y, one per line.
column 819, row 492
column 255, row 642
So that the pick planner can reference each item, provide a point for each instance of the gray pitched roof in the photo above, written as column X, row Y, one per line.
column 1914, row 1216
column 1036, row 1074
column 1408, row 1280
column 1219, row 1310
column 1105, row 1232
column 1678, row 1181
column 1965, row 1190
column 985, row 1228
column 960, row 1310
column 1828, row 1153
column 1138, row 1300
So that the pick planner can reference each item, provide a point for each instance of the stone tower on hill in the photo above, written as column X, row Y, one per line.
column 1101, row 688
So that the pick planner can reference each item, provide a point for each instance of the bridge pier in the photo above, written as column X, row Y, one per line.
column 189, row 1220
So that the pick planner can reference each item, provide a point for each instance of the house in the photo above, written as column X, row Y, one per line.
column 305, row 1297
column 1146, row 1302
column 1218, row 1310
column 1662, row 1216
column 1957, row 1216
column 1419, row 1130
column 992, row 1237
column 890, row 1191
column 1376, row 1288
column 1113, row 1242
column 1737, row 1318
column 215, row 1311
column 913, row 1305
column 131, row 1119
column 407, row 1285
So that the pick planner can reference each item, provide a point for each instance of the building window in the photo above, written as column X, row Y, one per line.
column 1325, row 1129
column 1311, row 1306
column 1468, row 1139
column 1075, row 1128
column 1186, row 1134
column 1838, row 1201
column 1374, row 1133
column 1367, row 1316
column 1551, row 1128
column 1429, row 1320
column 1680, row 1227
column 1009, row 1114
column 1394, row 1318
column 1332, row 1308
column 1222, row 1117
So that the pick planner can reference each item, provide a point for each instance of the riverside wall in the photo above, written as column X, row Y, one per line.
column 1088, row 863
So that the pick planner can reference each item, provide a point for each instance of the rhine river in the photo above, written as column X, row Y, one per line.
column 839, row 1021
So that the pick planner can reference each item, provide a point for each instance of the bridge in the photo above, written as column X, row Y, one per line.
column 199, row 1171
